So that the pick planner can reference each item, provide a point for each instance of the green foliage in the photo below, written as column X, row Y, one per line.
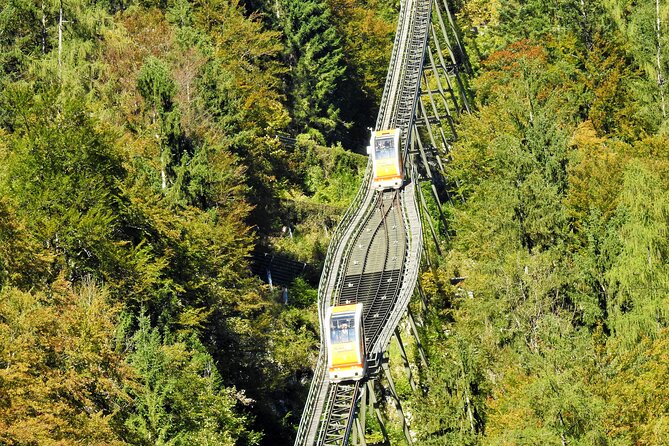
column 638, row 277
column 546, row 398
column 65, row 175
column 19, row 35
column 133, row 153
column 156, row 85
column 328, row 180
column 179, row 399
column 301, row 295
column 139, row 152
column 22, row 261
column 61, row 377
column 366, row 29
column 318, row 71
column 636, row 392
column 562, row 239
column 648, row 47
column 332, row 175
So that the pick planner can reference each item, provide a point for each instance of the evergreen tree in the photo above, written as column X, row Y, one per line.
column 22, row 34
column 157, row 87
column 639, row 274
column 317, row 69
column 180, row 399
column 644, row 25
column 636, row 411
column 65, row 178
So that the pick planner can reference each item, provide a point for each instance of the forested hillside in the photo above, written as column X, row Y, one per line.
column 140, row 169
column 558, row 334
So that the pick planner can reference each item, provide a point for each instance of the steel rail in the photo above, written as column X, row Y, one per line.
column 337, row 425
column 385, row 261
column 411, row 264
column 379, row 225
column 320, row 397
column 381, row 302
column 395, row 67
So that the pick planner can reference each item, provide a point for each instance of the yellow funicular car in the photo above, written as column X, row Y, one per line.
column 345, row 343
column 384, row 148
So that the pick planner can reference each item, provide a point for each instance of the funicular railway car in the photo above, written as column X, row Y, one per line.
column 386, row 154
column 345, row 343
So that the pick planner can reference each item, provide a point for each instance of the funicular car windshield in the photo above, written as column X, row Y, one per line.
column 383, row 148
column 342, row 328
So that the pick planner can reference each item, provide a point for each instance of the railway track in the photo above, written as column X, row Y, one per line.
column 373, row 257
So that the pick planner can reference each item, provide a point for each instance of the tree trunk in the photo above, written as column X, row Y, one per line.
column 163, row 167
column 43, row 29
column 163, row 177
column 658, row 57
column 60, row 39
column 587, row 36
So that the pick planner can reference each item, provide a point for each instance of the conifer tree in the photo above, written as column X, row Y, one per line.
column 157, row 87
column 317, row 69
column 645, row 29
column 180, row 399
column 639, row 274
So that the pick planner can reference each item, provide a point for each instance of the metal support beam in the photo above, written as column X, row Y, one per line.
column 398, row 403
column 362, row 414
column 405, row 359
column 337, row 412
column 440, row 89
column 456, row 35
column 359, row 434
column 423, row 112
column 424, row 156
column 429, row 220
column 419, row 344
column 374, row 401
column 423, row 205
column 428, row 171
column 426, row 259
column 421, row 295
column 444, row 33
column 443, row 65
column 444, row 145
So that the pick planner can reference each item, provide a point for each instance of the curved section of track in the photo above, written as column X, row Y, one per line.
column 374, row 264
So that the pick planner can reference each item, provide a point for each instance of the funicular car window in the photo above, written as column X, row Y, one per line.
column 383, row 148
column 342, row 329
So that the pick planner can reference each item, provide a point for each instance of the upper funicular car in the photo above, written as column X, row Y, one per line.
column 384, row 148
